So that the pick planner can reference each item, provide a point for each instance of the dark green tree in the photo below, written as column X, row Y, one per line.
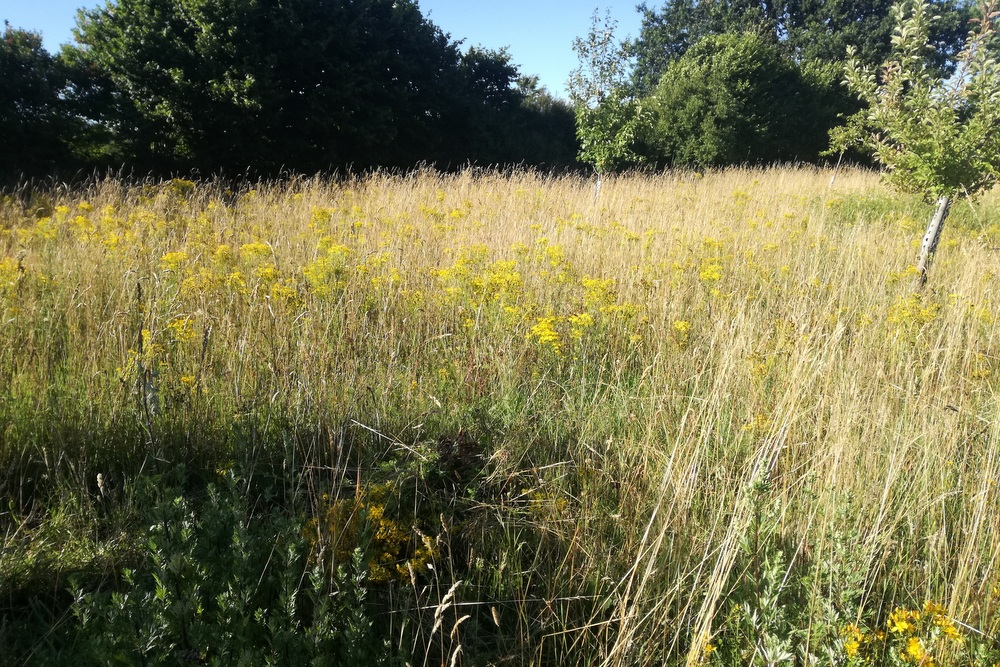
column 35, row 122
column 812, row 30
column 271, row 84
column 824, row 29
column 480, row 129
column 299, row 85
column 668, row 32
column 491, row 76
column 507, row 119
column 547, row 133
column 735, row 98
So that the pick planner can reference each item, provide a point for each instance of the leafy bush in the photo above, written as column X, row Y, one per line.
column 229, row 585
column 735, row 98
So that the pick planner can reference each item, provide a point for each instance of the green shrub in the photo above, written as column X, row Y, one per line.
column 735, row 98
column 226, row 584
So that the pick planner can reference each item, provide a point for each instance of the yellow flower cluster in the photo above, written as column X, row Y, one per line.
column 10, row 275
column 545, row 334
column 680, row 333
column 148, row 357
column 182, row 330
column 172, row 261
column 914, row 636
column 393, row 552
column 913, row 310
column 578, row 324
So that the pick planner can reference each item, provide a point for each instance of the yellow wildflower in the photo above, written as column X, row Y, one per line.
column 853, row 637
column 598, row 292
column 903, row 621
column 545, row 333
column 173, row 260
column 222, row 253
column 268, row 272
column 254, row 250
column 710, row 272
column 914, row 651
column 182, row 329
column 913, row 309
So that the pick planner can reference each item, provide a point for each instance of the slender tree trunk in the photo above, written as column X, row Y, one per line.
column 836, row 170
column 931, row 238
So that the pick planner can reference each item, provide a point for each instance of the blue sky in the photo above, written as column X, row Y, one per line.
column 538, row 33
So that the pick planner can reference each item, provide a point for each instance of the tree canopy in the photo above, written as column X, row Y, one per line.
column 938, row 137
column 733, row 98
column 717, row 83
column 33, row 119
column 233, row 83
column 811, row 30
column 264, row 86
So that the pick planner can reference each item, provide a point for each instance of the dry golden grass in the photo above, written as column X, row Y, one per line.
column 669, row 387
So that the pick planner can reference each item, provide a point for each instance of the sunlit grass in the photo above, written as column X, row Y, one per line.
column 607, row 416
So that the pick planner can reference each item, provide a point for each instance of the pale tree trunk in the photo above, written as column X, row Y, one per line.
column 931, row 238
column 836, row 170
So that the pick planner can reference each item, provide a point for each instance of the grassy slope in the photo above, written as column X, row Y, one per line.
column 617, row 418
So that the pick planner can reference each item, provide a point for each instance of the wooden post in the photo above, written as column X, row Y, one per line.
column 931, row 237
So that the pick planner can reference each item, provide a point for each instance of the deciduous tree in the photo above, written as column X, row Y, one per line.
column 935, row 136
column 34, row 120
column 735, row 98
column 810, row 29
column 267, row 83
column 608, row 116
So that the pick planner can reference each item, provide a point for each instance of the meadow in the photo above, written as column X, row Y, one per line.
column 479, row 418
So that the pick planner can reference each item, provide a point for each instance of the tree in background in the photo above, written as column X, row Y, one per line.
column 820, row 30
column 233, row 83
column 938, row 137
column 264, row 86
column 734, row 98
column 507, row 119
column 808, row 35
column 547, row 136
column 812, row 30
column 667, row 33
column 34, row 122
column 608, row 116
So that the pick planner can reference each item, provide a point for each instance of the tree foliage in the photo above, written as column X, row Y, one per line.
column 667, row 33
column 939, row 137
column 812, row 30
column 233, row 83
column 34, row 120
column 736, row 98
column 508, row 118
column 265, row 86
column 608, row 116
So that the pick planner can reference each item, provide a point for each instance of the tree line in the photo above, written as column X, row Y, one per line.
column 263, row 87
column 712, row 83
column 268, row 86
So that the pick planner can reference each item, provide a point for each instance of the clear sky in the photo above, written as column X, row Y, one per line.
column 539, row 33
